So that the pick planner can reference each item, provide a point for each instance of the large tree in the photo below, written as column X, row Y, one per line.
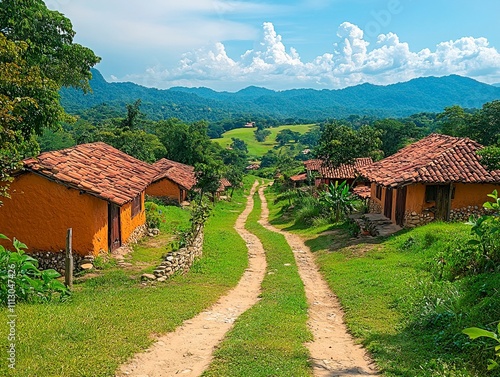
column 49, row 38
column 340, row 144
column 37, row 57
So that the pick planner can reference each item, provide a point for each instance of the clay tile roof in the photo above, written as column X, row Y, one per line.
column 364, row 192
column 434, row 159
column 224, row 184
column 97, row 169
column 299, row 177
column 343, row 171
column 181, row 174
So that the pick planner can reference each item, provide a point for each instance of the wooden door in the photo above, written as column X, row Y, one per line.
column 443, row 202
column 400, row 205
column 388, row 203
column 114, row 235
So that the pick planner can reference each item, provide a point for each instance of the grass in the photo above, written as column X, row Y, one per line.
column 256, row 149
column 397, row 304
column 112, row 316
column 268, row 339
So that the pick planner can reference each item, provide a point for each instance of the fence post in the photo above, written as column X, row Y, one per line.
column 68, row 274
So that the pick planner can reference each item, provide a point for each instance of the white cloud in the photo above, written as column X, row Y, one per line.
column 351, row 62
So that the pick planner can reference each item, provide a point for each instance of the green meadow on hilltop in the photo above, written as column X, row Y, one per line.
column 256, row 149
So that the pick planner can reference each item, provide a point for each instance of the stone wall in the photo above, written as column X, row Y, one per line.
column 374, row 207
column 414, row 219
column 57, row 260
column 178, row 261
column 463, row 214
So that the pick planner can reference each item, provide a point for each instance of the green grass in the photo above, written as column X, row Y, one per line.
column 268, row 339
column 397, row 304
column 256, row 149
column 113, row 316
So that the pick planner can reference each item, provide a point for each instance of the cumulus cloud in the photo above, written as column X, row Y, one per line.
column 352, row 61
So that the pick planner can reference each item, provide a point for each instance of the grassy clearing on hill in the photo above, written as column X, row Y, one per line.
column 112, row 316
column 268, row 339
column 256, row 149
column 396, row 303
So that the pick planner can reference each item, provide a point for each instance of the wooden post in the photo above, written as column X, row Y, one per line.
column 68, row 274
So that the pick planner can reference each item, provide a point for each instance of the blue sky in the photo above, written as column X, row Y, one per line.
column 229, row 44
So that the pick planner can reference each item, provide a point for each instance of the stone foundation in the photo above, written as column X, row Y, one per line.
column 180, row 260
column 414, row 219
column 374, row 207
column 463, row 214
column 57, row 260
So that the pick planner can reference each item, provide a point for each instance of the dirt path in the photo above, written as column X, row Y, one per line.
column 333, row 352
column 188, row 350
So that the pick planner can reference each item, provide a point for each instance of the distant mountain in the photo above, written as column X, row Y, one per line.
column 429, row 94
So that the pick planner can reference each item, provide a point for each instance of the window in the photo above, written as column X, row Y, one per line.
column 136, row 205
column 378, row 192
column 430, row 193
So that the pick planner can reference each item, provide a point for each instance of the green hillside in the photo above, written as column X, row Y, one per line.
column 256, row 149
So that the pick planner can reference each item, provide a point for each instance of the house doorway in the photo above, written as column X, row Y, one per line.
column 114, row 235
column 400, row 205
column 388, row 203
column 443, row 202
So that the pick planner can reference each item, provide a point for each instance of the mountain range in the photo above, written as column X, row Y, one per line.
column 429, row 94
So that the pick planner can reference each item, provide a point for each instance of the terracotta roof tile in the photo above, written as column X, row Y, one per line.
column 363, row 192
column 176, row 172
column 343, row 171
column 97, row 169
column 434, row 159
column 299, row 177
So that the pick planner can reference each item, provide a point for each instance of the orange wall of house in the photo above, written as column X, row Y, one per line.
column 129, row 224
column 472, row 194
column 164, row 187
column 40, row 212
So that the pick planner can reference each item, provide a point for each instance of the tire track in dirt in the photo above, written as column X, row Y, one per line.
column 333, row 351
column 188, row 350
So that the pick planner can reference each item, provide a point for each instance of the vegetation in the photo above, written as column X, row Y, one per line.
column 403, row 297
column 22, row 281
column 258, row 149
column 268, row 339
column 91, row 334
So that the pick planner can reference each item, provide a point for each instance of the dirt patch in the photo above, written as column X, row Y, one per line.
column 333, row 351
column 188, row 350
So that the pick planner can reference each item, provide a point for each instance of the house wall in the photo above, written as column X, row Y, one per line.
column 40, row 211
column 129, row 224
column 166, row 188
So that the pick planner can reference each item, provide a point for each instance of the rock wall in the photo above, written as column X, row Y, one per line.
column 463, row 214
column 57, row 261
column 178, row 261
column 414, row 219
column 374, row 207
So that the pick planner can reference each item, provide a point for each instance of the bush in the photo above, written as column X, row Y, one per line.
column 21, row 280
column 154, row 215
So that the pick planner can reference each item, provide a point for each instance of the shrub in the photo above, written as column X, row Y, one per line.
column 21, row 280
column 154, row 215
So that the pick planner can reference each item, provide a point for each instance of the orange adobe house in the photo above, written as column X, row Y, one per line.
column 93, row 188
column 439, row 177
column 172, row 181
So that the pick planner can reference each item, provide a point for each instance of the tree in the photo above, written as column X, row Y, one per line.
column 261, row 134
column 238, row 144
column 455, row 121
column 208, row 176
column 37, row 57
column 186, row 143
column 486, row 126
column 490, row 157
column 49, row 37
column 28, row 103
column 284, row 136
column 340, row 144
column 396, row 134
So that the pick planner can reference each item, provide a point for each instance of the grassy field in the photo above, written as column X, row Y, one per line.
column 256, row 149
column 397, row 304
column 268, row 339
column 112, row 316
